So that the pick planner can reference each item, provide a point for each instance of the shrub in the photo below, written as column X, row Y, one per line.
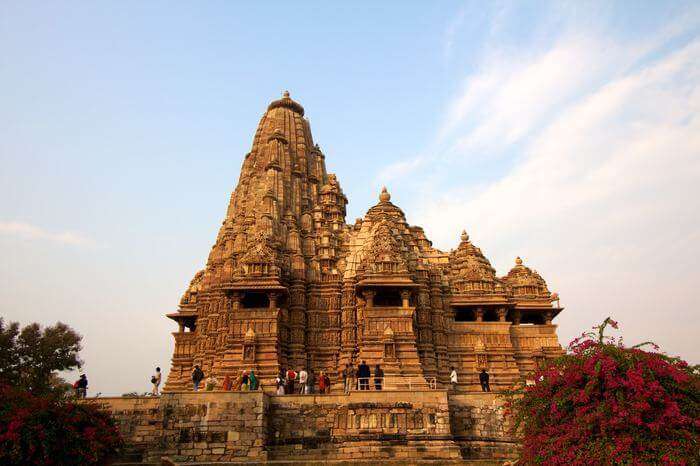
column 49, row 430
column 604, row 403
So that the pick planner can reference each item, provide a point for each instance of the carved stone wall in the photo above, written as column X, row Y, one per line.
column 254, row 426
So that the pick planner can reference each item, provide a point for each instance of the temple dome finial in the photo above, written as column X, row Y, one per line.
column 464, row 236
column 286, row 102
column 384, row 196
column 518, row 261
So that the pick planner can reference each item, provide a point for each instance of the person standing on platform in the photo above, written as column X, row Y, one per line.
column 197, row 377
column 211, row 383
column 155, row 380
column 378, row 377
column 253, row 380
column 291, row 377
column 227, row 383
column 245, row 381
column 363, row 375
column 453, row 379
column 280, row 383
column 322, row 383
column 484, row 381
column 303, row 378
column 82, row 386
column 327, row 383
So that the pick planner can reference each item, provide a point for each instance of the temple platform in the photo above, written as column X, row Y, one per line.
column 396, row 427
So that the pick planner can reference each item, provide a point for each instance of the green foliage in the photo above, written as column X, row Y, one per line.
column 30, row 357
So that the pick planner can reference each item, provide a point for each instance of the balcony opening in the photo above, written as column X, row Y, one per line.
column 255, row 300
column 387, row 298
column 464, row 314
column 535, row 319
column 490, row 315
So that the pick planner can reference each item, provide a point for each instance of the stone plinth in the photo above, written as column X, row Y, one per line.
column 256, row 426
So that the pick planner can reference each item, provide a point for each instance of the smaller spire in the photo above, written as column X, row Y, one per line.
column 285, row 94
column 464, row 237
column 518, row 261
column 384, row 196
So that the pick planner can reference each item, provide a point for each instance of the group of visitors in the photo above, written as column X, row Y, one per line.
column 246, row 381
column 360, row 378
column 289, row 381
column 304, row 382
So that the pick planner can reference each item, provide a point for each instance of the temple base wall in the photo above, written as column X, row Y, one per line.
column 258, row 427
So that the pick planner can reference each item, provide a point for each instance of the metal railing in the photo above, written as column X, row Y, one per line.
column 394, row 383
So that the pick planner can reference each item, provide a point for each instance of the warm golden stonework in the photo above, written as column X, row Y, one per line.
column 289, row 284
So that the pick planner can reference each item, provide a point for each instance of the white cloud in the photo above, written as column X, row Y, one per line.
column 602, row 195
column 32, row 232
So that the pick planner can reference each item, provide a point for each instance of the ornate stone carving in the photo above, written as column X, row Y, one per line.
column 287, row 277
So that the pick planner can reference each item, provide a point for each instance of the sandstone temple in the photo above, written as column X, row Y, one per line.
column 289, row 284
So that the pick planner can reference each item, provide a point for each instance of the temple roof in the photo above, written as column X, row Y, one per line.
column 287, row 102
column 384, row 206
column 471, row 274
column 286, row 221
column 526, row 283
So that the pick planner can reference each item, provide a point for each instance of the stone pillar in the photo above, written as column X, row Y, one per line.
column 405, row 298
column 369, row 298
column 516, row 317
column 273, row 300
column 181, row 326
column 297, row 323
column 348, row 335
column 479, row 314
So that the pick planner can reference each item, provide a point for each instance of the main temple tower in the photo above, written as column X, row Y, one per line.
column 271, row 270
column 289, row 284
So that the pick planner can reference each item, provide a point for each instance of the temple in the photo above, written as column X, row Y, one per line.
column 288, row 283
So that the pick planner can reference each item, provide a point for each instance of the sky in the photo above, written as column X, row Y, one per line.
column 567, row 133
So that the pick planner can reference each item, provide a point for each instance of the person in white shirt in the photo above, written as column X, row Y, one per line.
column 155, row 380
column 302, row 381
column 453, row 378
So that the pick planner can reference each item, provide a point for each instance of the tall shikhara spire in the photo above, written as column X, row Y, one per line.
column 289, row 284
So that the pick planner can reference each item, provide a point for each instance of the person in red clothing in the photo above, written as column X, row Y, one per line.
column 322, row 383
column 291, row 377
column 327, row 381
column 227, row 383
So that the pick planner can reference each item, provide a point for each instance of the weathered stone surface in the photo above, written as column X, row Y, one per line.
column 390, row 425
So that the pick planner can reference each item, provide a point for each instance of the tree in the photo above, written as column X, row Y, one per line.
column 31, row 357
column 604, row 403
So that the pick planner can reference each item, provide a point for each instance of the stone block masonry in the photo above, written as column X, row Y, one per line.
column 256, row 426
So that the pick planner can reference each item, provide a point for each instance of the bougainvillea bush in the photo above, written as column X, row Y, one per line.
column 604, row 403
column 48, row 430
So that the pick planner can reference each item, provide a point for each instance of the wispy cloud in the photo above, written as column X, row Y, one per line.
column 600, row 190
column 32, row 232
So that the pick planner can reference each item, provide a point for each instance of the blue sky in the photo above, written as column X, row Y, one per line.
column 567, row 133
